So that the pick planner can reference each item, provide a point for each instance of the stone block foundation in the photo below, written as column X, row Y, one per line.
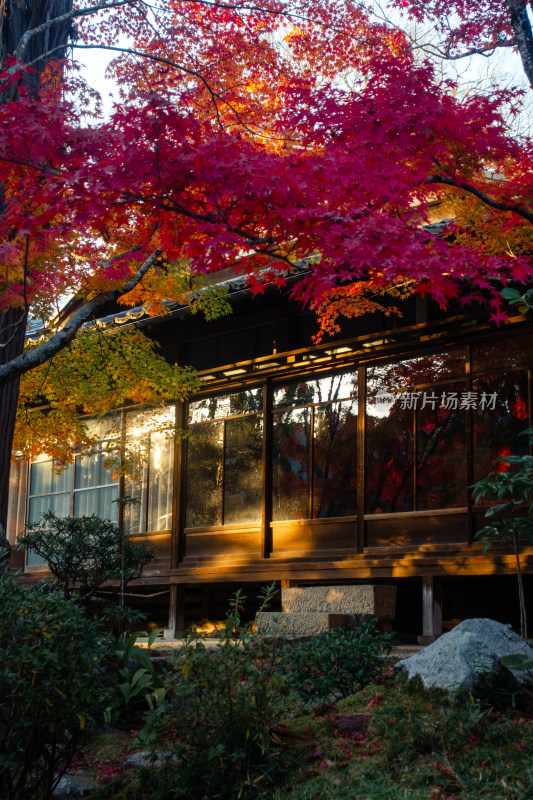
column 314, row 609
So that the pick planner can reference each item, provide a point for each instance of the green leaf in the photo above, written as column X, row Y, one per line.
column 517, row 661
column 500, row 509
column 510, row 294
column 142, row 658
column 153, row 636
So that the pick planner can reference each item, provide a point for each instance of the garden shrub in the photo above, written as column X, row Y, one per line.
column 53, row 679
column 337, row 662
column 82, row 553
column 219, row 715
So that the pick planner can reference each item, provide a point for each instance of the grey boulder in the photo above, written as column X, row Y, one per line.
column 457, row 660
column 72, row 786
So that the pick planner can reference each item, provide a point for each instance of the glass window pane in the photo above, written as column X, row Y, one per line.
column 150, row 451
column 509, row 352
column 98, row 502
column 44, row 480
column 204, row 475
column 34, row 560
column 248, row 401
column 106, row 428
column 501, row 414
column 416, row 371
column 291, row 464
column 389, row 456
column 141, row 424
column 16, row 508
column 91, row 470
column 160, row 487
column 243, row 470
column 335, row 460
column 317, row 390
column 58, row 503
column 135, row 514
column 441, row 454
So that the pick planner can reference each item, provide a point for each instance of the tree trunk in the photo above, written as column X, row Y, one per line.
column 17, row 17
column 523, row 34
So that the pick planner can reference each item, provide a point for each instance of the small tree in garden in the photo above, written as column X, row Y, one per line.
column 82, row 553
column 511, row 492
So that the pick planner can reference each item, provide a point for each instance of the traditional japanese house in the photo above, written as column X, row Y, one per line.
column 344, row 462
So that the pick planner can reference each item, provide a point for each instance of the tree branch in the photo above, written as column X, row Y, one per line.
column 24, row 163
column 447, row 55
column 22, row 46
column 515, row 208
column 34, row 358
column 158, row 59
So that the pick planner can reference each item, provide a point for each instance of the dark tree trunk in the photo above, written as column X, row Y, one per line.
column 523, row 34
column 17, row 17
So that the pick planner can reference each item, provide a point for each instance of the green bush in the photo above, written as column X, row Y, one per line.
column 337, row 662
column 53, row 679
column 218, row 717
column 85, row 552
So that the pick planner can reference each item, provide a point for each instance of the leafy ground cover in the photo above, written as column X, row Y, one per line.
column 386, row 741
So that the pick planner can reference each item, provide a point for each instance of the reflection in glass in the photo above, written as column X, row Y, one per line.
column 335, row 460
column 416, row 371
column 441, row 477
column 160, row 485
column 291, row 464
column 499, row 421
column 205, row 475
column 149, row 453
column 317, row 390
column 150, row 446
column 389, row 457
column 16, row 508
column 135, row 513
column 247, row 401
column 105, row 428
column 511, row 352
column 243, row 473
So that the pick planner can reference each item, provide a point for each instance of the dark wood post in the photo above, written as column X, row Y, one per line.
column 431, row 609
column 176, row 610
column 266, row 518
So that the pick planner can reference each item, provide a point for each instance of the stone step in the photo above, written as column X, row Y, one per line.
column 373, row 600
column 299, row 623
